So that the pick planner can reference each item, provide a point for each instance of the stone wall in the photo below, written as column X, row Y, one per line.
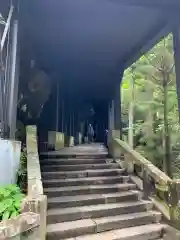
column 31, row 223
column 33, row 167
column 36, row 201
column 23, row 227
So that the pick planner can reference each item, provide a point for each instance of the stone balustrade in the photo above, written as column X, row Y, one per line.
column 155, row 184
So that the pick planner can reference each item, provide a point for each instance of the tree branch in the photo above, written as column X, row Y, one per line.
column 153, row 64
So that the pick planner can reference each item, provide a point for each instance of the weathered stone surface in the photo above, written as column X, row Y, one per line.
column 79, row 167
column 71, row 141
column 85, row 181
column 81, row 174
column 33, row 166
column 159, row 176
column 70, row 229
column 85, row 151
column 150, row 231
column 35, row 202
column 127, row 220
column 79, row 138
column 71, row 161
column 96, row 211
column 174, row 202
column 59, row 141
column 77, row 196
column 51, row 139
column 171, row 233
column 20, row 226
column 93, row 199
column 31, row 224
column 92, row 189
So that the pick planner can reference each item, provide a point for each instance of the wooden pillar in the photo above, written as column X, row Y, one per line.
column 57, row 107
column 14, row 81
column 176, row 43
column 117, row 110
column 66, row 120
column 111, row 115
column 78, row 130
column 101, row 119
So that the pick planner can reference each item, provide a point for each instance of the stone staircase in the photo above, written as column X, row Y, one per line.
column 91, row 198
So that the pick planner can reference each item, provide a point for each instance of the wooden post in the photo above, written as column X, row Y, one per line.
column 176, row 43
column 117, row 110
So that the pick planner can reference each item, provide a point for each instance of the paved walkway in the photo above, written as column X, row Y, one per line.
column 84, row 149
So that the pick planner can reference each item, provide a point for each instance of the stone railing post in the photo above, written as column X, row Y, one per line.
column 59, row 141
column 174, row 202
column 128, row 163
column 79, row 138
column 114, row 150
column 37, row 204
column 51, row 140
column 36, row 201
column 148, row 185
column 25, row 227
column 71, row 141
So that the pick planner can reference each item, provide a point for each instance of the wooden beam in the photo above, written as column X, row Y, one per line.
column 173, row 5
column 146, row 43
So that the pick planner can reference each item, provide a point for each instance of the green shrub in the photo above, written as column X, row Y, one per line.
column 22, row 171
column 10, row 201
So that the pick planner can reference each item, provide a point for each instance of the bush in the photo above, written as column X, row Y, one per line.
column 10, row 201
column 22, row 171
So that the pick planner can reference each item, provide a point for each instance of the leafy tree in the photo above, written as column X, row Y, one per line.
column 156, row 122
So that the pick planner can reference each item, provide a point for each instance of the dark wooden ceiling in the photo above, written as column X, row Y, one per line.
column 88, row 43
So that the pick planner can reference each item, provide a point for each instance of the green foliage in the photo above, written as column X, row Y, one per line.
column 22, row 172
column 10, row 201
column 155, row 105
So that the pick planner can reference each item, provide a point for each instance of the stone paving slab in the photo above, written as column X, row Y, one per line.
column 85, row 149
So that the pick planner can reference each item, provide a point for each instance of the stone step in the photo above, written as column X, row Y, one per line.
column 72, row 161
column 79, row 167
column 85, row 181
column 83, row 155
column 91, row 189
column 147, row 232
column 87, row 226
column 81, row 174
column 92, row 199
column 96, row 211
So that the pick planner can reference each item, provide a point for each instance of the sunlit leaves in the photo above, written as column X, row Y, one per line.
column 10, row 201
column 152, row 74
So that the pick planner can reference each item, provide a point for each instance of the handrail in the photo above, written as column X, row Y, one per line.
column 156, row 184
column 155, row 172
column 36, row 201
column 33, row 166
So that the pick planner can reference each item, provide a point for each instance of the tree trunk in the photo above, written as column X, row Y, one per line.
column 131, row 115
column 167, row 157
column 149, row 116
